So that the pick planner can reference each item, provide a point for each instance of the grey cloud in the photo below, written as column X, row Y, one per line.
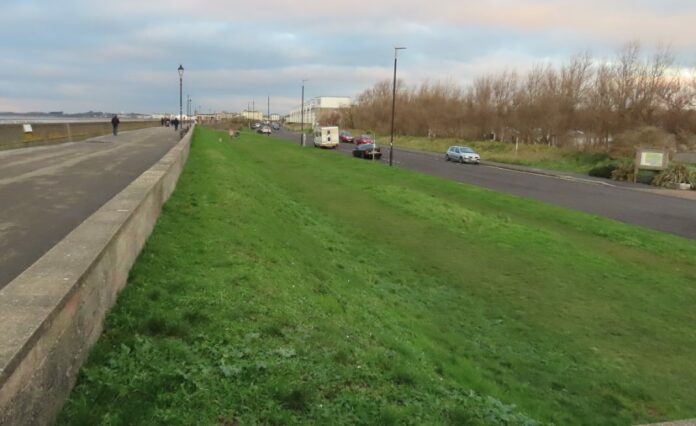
column 123, row 55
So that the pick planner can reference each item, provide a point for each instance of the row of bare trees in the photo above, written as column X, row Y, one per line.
column 584, row 101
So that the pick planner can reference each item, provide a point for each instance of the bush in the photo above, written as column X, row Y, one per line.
column 603, row 170
column 646, row 176
column 674, row 174
column 623, row 171
column 626, row 143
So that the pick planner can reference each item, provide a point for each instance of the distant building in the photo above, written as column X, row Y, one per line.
column 252, row 115
column 275, row 117
column 315, row 107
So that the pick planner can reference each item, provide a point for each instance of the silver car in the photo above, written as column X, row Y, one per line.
column 462, row 154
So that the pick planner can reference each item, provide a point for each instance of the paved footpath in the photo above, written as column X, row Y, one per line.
column 46, row 192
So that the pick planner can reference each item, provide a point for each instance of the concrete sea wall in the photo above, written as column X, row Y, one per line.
column 52, row 313
column 13, row 136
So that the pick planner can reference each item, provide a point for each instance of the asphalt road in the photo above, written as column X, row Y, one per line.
column 46, row 192
column 624, row 202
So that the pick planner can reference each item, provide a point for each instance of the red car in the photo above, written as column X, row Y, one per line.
column 363, row 139
column 346, row 137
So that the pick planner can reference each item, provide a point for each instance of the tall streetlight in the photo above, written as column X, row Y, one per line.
column 188, row 109
column 391, row 142
column 302, row 136
column 181, row 93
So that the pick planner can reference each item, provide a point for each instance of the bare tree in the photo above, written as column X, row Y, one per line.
column 601, row 99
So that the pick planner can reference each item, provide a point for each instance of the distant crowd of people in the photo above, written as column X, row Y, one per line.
column 166, row 122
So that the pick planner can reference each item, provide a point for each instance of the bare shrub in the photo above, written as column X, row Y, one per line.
column 626, row 143
column 633, row 99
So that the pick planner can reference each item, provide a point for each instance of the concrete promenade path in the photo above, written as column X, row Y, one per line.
column 46, row 192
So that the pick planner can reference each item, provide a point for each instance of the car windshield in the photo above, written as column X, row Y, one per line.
column 467, row 150
column 346, row 134
column 366, row 146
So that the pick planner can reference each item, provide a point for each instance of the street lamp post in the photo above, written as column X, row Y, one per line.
column 188, row 109
column 302, row 135
column 181, row 95
column 391, row 142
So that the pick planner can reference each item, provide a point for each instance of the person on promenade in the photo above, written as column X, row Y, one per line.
column 114, row 124
column 175, row 122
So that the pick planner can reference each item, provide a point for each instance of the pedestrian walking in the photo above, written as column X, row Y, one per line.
column 114, row 124
column 175, row 122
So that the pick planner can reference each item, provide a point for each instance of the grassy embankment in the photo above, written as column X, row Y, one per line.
column 286, row 285
column 297, row 128
column 538, row 155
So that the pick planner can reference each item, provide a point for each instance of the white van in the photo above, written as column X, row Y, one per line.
column 326, row 137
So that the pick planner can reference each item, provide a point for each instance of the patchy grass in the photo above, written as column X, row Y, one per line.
column 295, row 286
column 539, row 156
column 297, row 128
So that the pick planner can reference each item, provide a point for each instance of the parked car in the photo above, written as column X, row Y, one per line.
column 265, row 130
column 463, row 154
column 275, row 126
column 257, row 125
column 368, row 151
column 346, row 137
column 363, row 139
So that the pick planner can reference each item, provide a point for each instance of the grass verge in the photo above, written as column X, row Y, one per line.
column 538, row 155
column 296, row 286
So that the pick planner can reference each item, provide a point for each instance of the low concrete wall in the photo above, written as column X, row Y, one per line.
column 13, row 136
column 685, row 157
column 52, row 313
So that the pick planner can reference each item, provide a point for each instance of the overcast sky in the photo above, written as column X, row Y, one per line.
column 78, row 55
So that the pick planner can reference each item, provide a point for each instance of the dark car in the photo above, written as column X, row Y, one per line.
column 364, row 139
column 368, row 151
column 275, row 126
column 346, row 137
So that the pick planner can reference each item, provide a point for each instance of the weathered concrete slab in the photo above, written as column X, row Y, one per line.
column 53, row 312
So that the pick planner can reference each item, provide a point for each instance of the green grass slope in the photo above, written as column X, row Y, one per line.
column 296, row 286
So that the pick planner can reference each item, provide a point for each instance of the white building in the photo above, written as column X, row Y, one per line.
column 252, row 115
column 315, row 107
